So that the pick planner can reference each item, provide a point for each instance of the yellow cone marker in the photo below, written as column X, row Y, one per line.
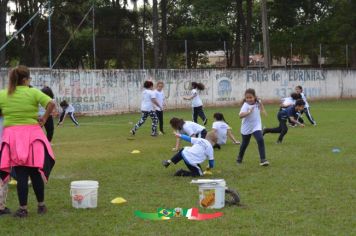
column 207, row 172
column 118, row 200
column 135, row 152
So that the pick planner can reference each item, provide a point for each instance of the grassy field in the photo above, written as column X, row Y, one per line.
column 307, row 189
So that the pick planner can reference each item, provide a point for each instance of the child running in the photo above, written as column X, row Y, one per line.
column 67, row 109
column 222, row 130
column 290, row 101
column 293, row 113
column 299, row 90
column 195, row 155
column 159, row 110
column 187, row 127
column 197, row 103
column 147, row 109
column 49, row 125
column 250, row 114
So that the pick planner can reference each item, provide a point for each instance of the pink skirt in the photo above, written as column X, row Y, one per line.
column 25, row 145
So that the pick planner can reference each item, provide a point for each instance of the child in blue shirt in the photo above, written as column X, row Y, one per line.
column 292, row 113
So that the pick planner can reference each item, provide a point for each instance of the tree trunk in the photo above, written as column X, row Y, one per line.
column 237, row 62
column 266, row 46
column 155, row 33
column 248, row 32
column 164, row 33
column 3, row 11
column 243, row 31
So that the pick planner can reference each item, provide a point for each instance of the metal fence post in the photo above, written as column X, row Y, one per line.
column 94, row 43
column 49, row 34
column 143, row 53
column 291, row 55
column 320, row 55
column 347, row 55
column 186, row 53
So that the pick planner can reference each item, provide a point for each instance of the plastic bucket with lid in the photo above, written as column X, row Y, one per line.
column 211, row 192
column 84, row 193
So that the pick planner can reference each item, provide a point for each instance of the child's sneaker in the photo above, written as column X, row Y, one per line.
column 21, row 213
column 41, row 210
column 279, row 142
column 166, row 163
column 264, row 163
column 239, row 161
column 133, row 132
column 5, row 211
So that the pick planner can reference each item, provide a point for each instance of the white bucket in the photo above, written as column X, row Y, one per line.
column 211, row 193
column 84, row 193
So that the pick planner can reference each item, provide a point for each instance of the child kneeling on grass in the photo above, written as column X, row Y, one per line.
column 195, row 155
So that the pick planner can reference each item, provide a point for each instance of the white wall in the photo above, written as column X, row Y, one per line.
column 115, row 91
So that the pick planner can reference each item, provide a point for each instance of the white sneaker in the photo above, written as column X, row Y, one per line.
column 264, row 163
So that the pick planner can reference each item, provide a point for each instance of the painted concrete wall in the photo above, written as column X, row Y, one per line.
column 103, row 92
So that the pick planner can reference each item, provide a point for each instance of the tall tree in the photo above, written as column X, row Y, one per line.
column 3, row 13
column 155, row 33
column 265, row 32
column 239, row 22
column 249, row 8
column 163, row 5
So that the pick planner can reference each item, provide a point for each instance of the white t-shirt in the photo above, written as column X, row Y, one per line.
column 69, row 109
column 305, row 100
column 252, row 122
column 190, row 128
column 288, row 101
column 196, row 101
column 160, row 99
column 147, row 96
column 197, row 153
column 221, row 130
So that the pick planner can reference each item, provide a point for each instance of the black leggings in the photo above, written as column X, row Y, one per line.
column 193, row 170
column 198, row 111
column 245, row 142
column 22, row 174
column 282, row 129
column 49, row 126
column 160, row 120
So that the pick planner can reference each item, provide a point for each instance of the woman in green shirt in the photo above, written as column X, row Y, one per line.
column 24, row 147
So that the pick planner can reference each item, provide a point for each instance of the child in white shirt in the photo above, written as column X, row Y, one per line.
column 252, row 125
column 197, row 103
column 147, row 109
column 159, row 110
column 299, row 90
column 67, row 109
column 195, row 155
column 187, row 127
column 222, row 130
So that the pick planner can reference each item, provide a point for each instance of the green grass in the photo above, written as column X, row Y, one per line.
column 307, row 189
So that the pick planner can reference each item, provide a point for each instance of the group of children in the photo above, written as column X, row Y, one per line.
column 204, row 142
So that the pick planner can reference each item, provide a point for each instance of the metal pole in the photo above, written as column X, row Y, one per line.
column 21, row 29
column 291, row 55
column 347, row 55
column 94, row 43
column 143, row 53
column 265, row 34
column 49, row 34
column 186, row 53
column 320, row 55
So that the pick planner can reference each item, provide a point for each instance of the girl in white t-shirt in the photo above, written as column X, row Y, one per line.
column 195, row 155
column 160, row 99
column 189, row 128
column 147, row 108
column 197, row 103
column 251, row 125
column 222, row 130
column 299, row 90
column 67, row 109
